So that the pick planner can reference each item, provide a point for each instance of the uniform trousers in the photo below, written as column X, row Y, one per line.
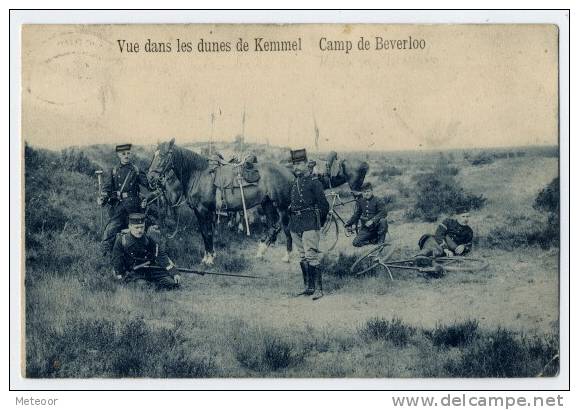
column 308, row 244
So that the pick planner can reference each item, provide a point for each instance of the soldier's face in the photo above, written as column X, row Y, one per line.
column 463, row 218
column 301, row 168
column 124, row 157
column 137, row 230
column 368, row 194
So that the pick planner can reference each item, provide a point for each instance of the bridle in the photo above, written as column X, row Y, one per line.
column 166, row 165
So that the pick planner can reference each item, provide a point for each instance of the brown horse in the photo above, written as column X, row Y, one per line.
column 178, row 169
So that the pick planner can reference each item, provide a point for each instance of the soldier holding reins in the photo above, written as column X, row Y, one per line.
column 121, row 191
column 308, row 212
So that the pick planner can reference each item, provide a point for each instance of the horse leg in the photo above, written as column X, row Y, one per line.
column 273, row 227
column 288, row 236
column 205, row 221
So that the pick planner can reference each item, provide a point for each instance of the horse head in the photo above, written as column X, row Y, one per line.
column 162, row 162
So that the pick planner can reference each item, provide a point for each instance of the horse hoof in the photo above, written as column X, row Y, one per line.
column 260, row 250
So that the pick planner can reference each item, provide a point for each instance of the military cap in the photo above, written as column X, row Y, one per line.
column 461, row 209
column 299, row 155
column 123, row 147
column 366, row 186
column 136, row 219
column 311, row 163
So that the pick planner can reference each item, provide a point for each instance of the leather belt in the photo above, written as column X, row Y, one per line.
column 303, row 211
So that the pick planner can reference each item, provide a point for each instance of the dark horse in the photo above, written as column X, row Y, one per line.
column 187, row 177
column 178, row 169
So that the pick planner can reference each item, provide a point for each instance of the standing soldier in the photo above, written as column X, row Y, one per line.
column 371, row 212
column 308, row 211
column 134, row 251
column 121, row 191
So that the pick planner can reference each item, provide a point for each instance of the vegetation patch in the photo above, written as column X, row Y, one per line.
column 439, row 193
column 393, row 330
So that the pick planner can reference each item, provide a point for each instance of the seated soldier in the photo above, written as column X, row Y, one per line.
column 452, row 237
column 371, row 212
column 134, row 250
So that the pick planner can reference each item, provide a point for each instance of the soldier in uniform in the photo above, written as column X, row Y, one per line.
column 452, row 237
column 308, row 211
column 371, row 212
column 121, row 191
column 134, row 250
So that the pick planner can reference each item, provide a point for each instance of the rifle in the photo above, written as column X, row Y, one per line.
column 194, row 271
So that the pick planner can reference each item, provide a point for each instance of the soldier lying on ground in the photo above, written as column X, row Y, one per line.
column 371, row 212
column 136, row 248
column 452, row 237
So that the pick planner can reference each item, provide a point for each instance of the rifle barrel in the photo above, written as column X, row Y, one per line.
column 200, row 272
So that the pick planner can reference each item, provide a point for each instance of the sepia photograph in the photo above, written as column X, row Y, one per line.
column 274, row 201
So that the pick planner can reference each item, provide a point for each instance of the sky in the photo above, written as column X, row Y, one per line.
column 469, row 86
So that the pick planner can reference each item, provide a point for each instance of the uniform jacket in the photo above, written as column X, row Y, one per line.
column 372, row 209
column 129, row 252
column 460, row 234
column 113, row 185
column 309, row 206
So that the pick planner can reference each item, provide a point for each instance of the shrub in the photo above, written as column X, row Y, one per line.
column 438, row 194
column 524, row 230
column 72, row 159
column 504, row 353
column 548, row 199
column 387, row 172
column 482, row 158
column 95, row 348
column 264, row 350
column 394, row 331
column 454, row 335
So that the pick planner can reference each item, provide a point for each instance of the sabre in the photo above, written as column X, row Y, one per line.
column 244, row 207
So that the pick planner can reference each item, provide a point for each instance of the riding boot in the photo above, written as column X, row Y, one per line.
column 311, row 280
column 316, row 275
column 305, row 273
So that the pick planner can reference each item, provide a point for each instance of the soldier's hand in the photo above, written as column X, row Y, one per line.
column 177, row 279
column 368, row 224
column 100, row 201
column 459, row 249
column 144, row 203
column 119, row 277
column 448, row 252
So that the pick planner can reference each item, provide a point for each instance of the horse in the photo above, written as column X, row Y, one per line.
column 348, row 171
column 191, row 179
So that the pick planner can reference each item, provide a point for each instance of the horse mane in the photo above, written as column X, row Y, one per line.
column 186, row 163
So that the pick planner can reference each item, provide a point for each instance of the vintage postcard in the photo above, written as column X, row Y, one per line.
column 329, row 201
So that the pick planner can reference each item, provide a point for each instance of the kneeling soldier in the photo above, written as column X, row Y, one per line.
column 134, row 250
column 308, row 212
column 452, row 237
column 371, row 212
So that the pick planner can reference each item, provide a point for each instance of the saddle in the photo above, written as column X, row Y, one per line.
column 229, row 177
